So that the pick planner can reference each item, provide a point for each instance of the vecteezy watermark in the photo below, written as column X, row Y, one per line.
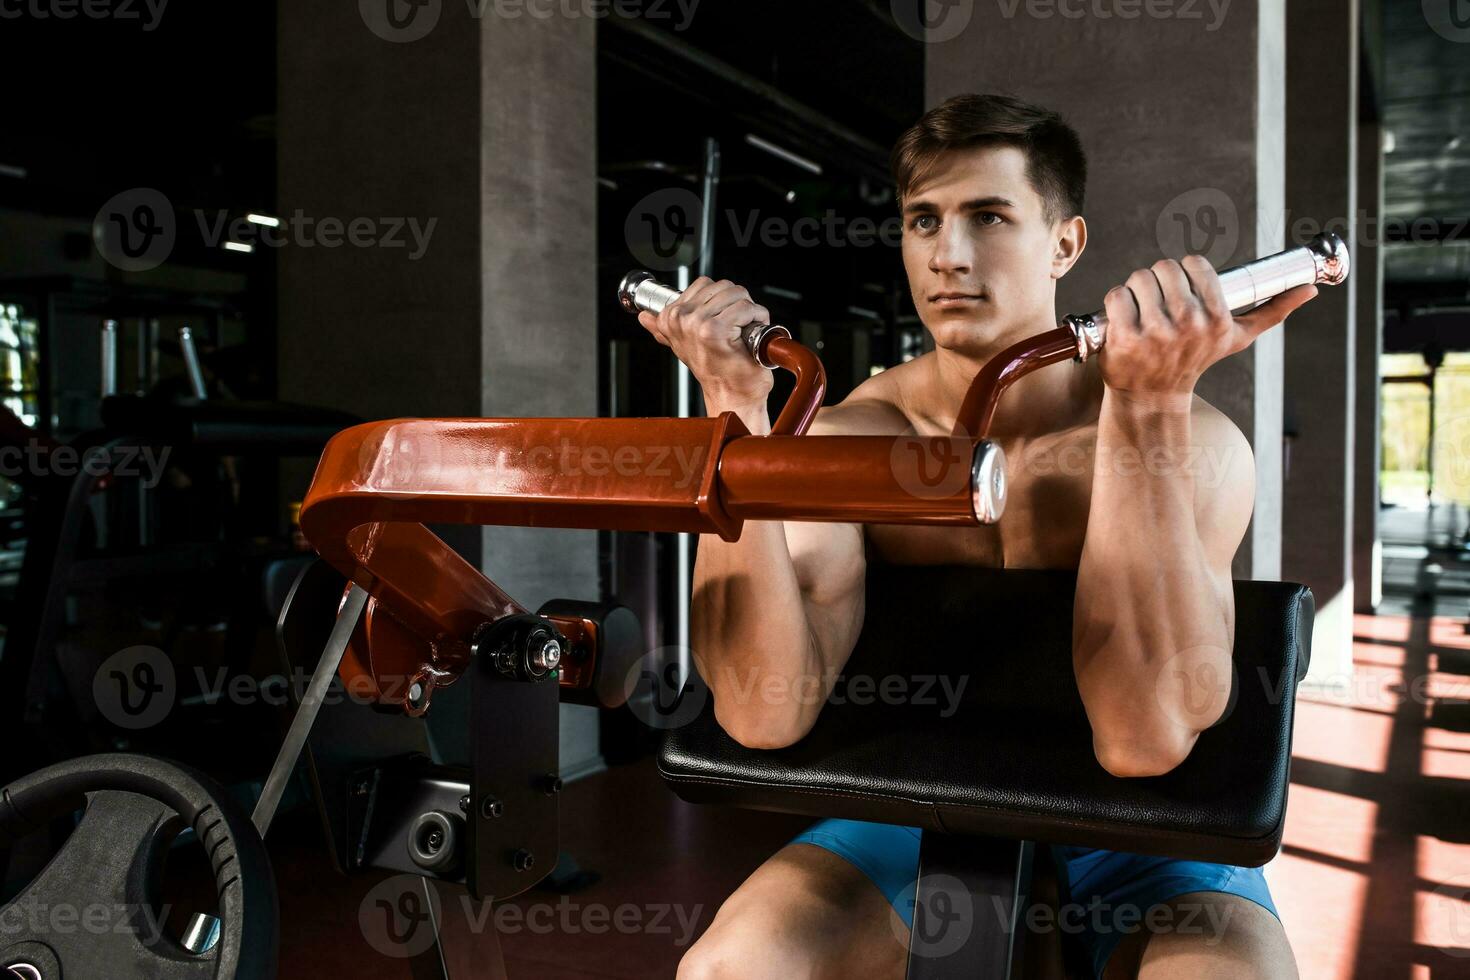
column 1201, row 221
column 1197, row 687
column 28, row 916
column 397, row 916
column 932, row 21
column 945, row 915
column 136, row 229
column 1450, row 19
column 146, row 12
column 931, row 467
column 664, row 690
column 401, row 21
column 831, row 230
column 136, row 687
column 39, row 459
column 1449, row 906
column 1452, row 451
column 942, row 691
column 1205, row 221
column 662, row 229
column 1211, row 13
column 301, row 230
column 404, row 462
column 682, row 463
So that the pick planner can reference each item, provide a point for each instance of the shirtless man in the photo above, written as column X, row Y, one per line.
column 991, row 193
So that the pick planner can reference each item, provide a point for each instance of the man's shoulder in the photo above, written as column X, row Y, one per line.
column 874, row 408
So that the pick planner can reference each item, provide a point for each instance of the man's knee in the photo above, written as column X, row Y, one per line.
column 739, row 945
column 1212, row 935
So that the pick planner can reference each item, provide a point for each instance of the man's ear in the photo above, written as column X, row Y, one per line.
column 1071, row 240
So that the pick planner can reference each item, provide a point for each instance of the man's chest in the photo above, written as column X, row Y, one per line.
column 1045, row 520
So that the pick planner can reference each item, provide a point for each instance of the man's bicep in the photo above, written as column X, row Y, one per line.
column 830, row 569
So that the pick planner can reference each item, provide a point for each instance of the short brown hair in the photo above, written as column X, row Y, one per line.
column 1055, row 163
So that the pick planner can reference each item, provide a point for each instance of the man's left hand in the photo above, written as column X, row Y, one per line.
column 1169, row 322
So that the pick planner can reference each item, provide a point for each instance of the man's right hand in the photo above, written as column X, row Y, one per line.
column 703, row 329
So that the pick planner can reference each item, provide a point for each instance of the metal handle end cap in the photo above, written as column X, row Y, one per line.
column 629, row 286
column 988, row 482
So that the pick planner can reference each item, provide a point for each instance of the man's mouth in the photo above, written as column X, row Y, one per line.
column 954, row 299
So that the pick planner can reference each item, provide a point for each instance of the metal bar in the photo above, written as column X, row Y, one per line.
column 311, row 703
column 191, row 363
column 109, row 357
column 969, row 905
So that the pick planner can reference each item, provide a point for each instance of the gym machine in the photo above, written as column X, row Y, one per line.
column 414, row 618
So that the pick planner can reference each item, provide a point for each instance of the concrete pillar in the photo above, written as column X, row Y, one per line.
column 1182, row 160
column 1368, row 405
column 1321, row 350
column 479, row 131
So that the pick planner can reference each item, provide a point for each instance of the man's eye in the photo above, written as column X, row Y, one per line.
column 924, row 222
column 989, row 218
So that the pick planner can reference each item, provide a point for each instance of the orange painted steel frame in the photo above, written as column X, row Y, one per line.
column 378, row 484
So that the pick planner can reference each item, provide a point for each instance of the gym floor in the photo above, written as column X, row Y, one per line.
column 1378, row 819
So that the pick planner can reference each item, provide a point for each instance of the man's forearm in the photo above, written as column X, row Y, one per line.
column 749, row 630
column 1152, row 620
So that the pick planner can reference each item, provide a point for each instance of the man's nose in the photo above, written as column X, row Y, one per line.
column 953, row 250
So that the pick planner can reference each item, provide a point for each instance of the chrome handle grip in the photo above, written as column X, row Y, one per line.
column 1324, row 260
column 639, row 291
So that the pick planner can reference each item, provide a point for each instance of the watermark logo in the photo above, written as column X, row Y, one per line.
column 932, row 21
column 1184, row 10
column 135, row 688
column 397, row 916
column 663, row 692
column 407, row 462
column 148, row 12
column 136, row 229
column 1450, row 19
column 1451, row 907
column 1452, row 452
column 662, row 229
column 931, row 467
column 35, row 458
column 1191, row 686
column 400, row 21
column 301, row 230
column 944, row 916
column 1201, row 221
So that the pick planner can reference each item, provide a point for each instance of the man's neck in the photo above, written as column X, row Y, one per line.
column 1047, row 400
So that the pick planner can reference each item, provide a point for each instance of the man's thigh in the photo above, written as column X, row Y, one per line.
column 1206, row 935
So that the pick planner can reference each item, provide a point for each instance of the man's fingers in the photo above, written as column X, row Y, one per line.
column 649, row 322
column 1206, row 285
column 1175, row 288
column 1148, row 295
column 1272, row 312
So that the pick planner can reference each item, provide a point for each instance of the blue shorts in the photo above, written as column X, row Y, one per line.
column 1094, row 882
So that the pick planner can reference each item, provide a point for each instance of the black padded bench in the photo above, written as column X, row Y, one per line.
column 1014, row 763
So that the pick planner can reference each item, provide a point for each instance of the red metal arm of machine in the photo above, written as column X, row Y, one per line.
column 378, row 484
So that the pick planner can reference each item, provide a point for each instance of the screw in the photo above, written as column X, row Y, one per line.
column 547, row 657
column 464, row 804
column 523, row 860
column 490, row 808
column 436, row 840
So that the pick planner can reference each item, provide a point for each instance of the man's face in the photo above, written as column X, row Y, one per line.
column 979, row 249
